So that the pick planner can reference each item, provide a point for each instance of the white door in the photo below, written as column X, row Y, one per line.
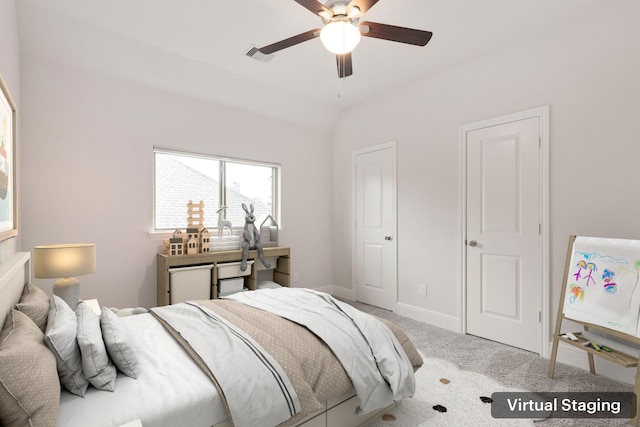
column 503, row 233
column 375, row 268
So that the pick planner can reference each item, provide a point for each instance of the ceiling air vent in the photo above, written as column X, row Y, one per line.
column 255, row 53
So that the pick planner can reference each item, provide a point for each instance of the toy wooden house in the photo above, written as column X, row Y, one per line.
column 205, row 240
column 196, row 238
column 176, row 245
column 193, row 241
column 269, row 232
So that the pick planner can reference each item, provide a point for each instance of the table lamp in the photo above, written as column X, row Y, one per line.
column 63, row 262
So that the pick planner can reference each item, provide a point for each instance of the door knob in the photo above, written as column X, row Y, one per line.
column 388, row 237
column 473, row 243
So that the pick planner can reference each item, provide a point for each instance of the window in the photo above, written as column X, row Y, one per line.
column 217, row 181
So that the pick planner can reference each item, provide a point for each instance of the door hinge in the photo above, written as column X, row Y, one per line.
column 539, row 228
column 539, row 317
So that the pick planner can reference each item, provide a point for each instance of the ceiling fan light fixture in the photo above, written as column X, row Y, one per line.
column 354, row 12
column 340, row 36
column 325, row 14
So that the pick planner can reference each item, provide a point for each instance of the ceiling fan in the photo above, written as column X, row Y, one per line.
column 342, row 30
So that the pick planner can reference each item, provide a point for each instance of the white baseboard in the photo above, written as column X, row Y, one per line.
column 440, row 320
column 337, row 291
column 566, row 354
column 578, row 358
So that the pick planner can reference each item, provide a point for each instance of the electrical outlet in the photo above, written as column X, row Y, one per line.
column 296, row 277
column 422, row 290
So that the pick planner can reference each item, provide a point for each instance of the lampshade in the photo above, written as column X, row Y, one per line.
column 340, row 37
column 66, row 260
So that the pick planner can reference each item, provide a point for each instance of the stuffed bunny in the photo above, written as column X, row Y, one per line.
column 251, row 238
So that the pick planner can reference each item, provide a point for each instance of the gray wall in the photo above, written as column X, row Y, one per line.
column 88, row 173
column 590, row 80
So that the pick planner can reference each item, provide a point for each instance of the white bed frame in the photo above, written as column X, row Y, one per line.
column 15, row 272
column 338, row 412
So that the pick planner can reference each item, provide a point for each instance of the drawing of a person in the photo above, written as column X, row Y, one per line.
column 581, row 264
column 609, row 286
column 591, row 267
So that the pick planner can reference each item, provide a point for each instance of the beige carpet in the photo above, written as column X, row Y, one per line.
column 509, row 366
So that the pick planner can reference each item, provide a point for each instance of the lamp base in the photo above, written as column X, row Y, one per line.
column 68, row 288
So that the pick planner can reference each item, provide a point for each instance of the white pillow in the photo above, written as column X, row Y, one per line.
column 119, row 343
column 96, row 366
column 60, row 337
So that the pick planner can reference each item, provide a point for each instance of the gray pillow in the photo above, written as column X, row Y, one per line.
column 29, row 386
column 97, row 367
column 60, row 337
column 119, row 343
column 34, row 302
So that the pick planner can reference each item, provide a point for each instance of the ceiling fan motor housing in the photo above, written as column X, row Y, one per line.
column 338, row 10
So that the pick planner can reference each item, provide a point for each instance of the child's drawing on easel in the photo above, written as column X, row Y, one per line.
column 575, row 293
column 602, row 283
column 635, row 286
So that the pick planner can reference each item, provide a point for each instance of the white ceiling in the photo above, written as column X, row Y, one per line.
column 197, row 47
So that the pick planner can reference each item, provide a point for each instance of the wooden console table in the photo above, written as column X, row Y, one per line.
column 281, row 270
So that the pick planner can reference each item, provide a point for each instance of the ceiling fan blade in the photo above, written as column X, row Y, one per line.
column 291, row 41
column 314, row 6
column 363, row 5
column 345, row 68
column 396, row 34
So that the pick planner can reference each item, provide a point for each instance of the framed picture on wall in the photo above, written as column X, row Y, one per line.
column 8, row 189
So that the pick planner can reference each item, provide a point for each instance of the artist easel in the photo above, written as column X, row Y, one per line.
column 614, row 355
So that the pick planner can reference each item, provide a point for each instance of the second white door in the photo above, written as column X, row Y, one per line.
column 504, row 275
column 375, row 266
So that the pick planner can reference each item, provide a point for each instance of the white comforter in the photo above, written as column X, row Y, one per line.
column 169, row 380
column 368, row 351
column 256, row 389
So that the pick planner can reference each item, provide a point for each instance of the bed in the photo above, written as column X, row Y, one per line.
column 182, row 379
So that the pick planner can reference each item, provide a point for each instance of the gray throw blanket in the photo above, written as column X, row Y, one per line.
column 369, row 352
column 256, row 389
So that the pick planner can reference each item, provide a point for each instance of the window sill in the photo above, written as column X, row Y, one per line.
column 162, row 235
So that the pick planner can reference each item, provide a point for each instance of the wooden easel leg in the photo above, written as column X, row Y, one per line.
column 554, row 353
column 558, row 327
column 592, row 365
column 634, row 421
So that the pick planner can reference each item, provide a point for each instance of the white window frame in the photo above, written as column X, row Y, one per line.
column 276, row 179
